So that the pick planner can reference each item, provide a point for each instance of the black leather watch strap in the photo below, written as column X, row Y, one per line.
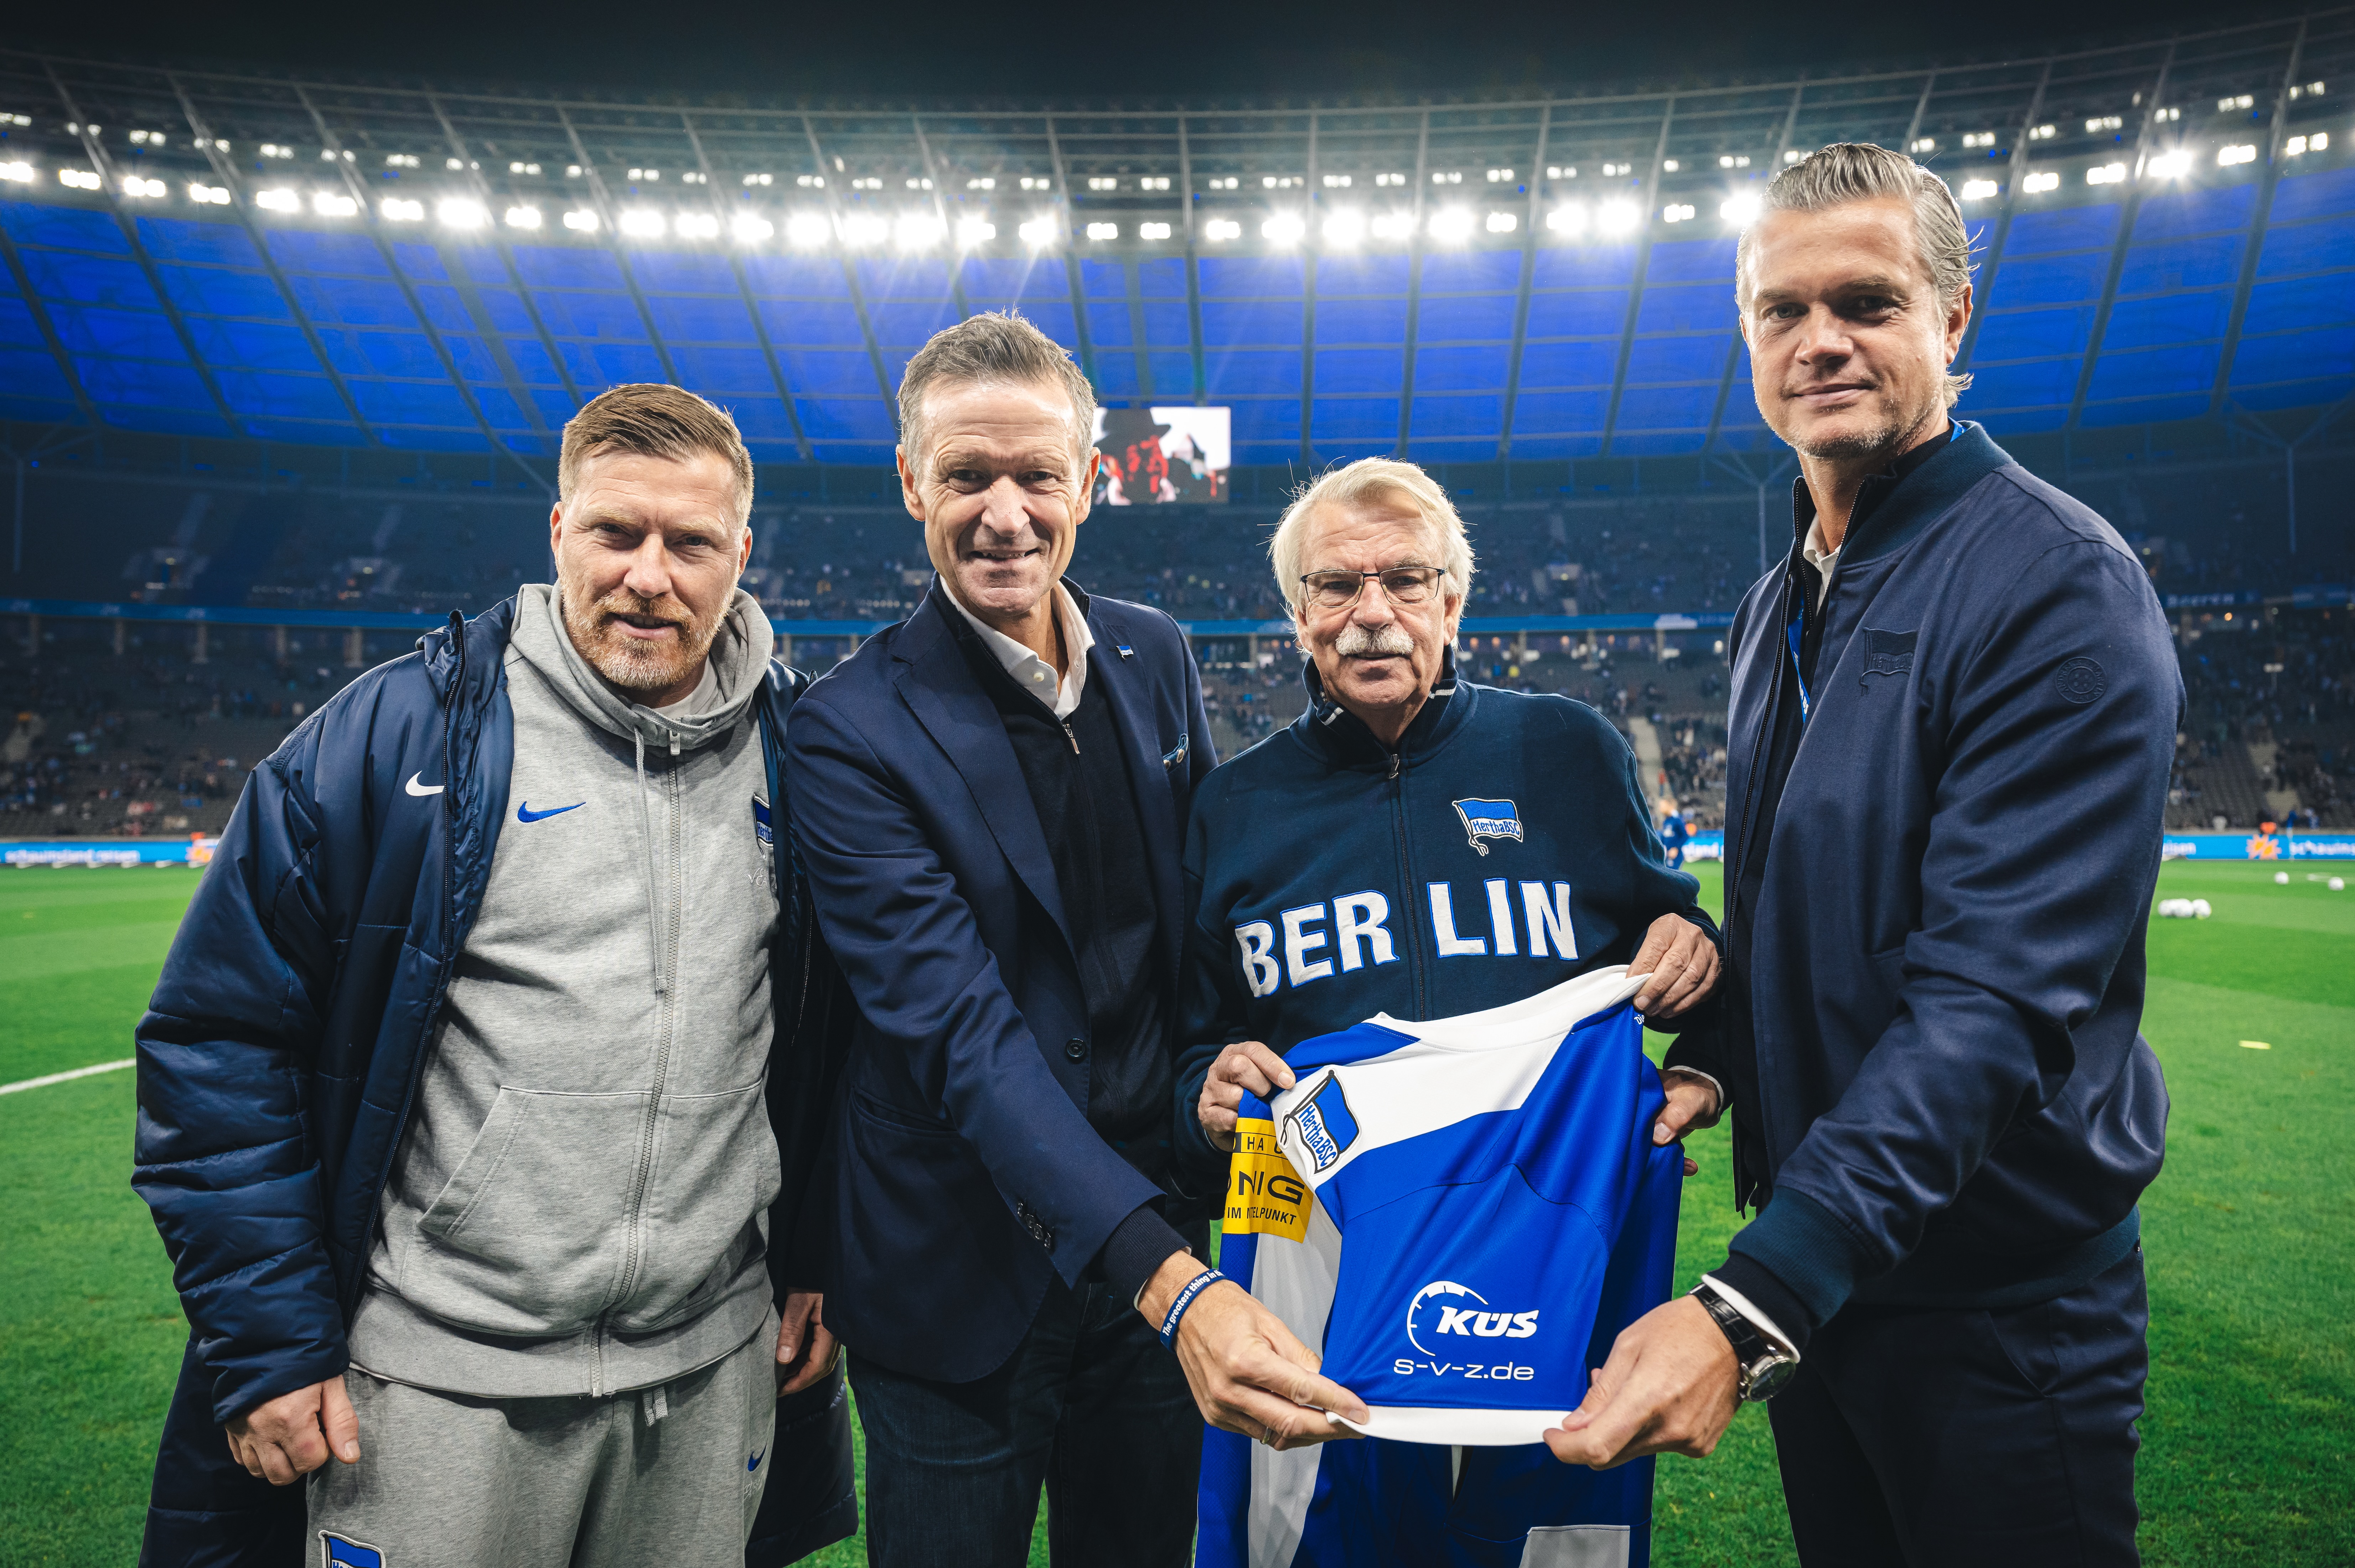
column 1763, row 1366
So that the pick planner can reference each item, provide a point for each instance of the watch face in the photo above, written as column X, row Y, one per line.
column 1768, row 1377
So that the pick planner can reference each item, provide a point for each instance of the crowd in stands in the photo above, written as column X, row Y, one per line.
column 146, row 742
column 433, row 552
column 2269, row 722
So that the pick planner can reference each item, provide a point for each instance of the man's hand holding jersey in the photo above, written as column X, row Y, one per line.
column 1249, row 1373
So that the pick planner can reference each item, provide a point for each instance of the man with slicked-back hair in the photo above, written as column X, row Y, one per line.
column 480, row 1088
column 1953, row 714
column 990, row 798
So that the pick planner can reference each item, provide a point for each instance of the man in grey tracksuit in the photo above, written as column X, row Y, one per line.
column 567, row 1350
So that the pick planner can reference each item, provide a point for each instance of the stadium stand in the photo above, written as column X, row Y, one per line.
column 306, row 351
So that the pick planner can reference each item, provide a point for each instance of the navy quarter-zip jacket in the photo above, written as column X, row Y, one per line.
column 1505, row 846
column 1952, row 1105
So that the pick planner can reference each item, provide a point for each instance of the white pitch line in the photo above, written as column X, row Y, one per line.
column 61, row 1077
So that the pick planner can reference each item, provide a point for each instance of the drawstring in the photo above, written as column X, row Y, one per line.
column 646, row 823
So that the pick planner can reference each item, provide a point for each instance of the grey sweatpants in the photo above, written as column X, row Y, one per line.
column 449, row 1481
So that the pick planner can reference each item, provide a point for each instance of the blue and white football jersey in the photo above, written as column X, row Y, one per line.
column 1461, row 1216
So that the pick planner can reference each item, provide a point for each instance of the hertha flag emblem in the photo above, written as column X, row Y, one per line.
column 1488, row 820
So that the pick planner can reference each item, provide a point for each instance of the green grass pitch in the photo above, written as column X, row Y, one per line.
column 2249, row 1237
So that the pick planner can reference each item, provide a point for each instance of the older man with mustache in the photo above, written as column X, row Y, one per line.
column 1418, row 847
column 482, row 1079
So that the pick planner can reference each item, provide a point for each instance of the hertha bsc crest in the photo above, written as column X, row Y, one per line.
column 1489, row 819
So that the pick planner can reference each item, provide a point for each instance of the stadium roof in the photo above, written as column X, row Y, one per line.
column 2167, row 229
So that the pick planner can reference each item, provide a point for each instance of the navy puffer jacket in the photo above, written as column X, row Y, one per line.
column 285, row 1039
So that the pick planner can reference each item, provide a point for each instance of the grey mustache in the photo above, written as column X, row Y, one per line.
column 1357, row 640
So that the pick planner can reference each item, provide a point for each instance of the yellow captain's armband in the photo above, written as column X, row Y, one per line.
column 1264, row 1196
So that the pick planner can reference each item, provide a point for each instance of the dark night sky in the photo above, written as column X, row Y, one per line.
column 1064, row 51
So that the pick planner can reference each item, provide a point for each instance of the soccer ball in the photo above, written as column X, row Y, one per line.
column 2281, row 879
column 2200, row 908
column 2337, row 885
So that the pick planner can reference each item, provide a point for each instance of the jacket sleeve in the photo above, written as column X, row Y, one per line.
column 1212, row 1013
column 928, row 988
column 2044, row 842
column 223, row 1155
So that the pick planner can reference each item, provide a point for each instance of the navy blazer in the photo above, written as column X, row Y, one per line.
column 964, row 1172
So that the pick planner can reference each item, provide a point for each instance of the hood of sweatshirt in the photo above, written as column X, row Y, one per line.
column 739, row 657
column 740, row 660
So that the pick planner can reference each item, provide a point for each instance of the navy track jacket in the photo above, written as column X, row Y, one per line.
column 1504, row 847
column 1946, row 957
column 285, row 1039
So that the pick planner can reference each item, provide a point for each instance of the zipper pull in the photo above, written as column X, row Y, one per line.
column 1394, row 765
column 1074, row 738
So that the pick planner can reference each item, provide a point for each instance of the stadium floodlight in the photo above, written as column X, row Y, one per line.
column 1570, row 217
column 1451, row 225
column 1619, row 216
column 1741, row 209
column 20, row 173
column 696, row 226
column 2041, row 181
column 1678, row 212
column 1102, row 231
column 641, row 222
column 2298, row 146
column 2171, row 165
column 2226, row 157
column 973, row 232
column 747, row 229
column 1218, row 230
column 1345, row 227
column 1503, row 222
column 278, row 199
column 78, row 179
column 146, row 189
column 1393, row 226
column 460, row 212
column 334, row 204
column 864, row 228
column 523, row 218
column 1284, row 229
column 809, row 229
column 2106, row 173
column 209, row 195
column 1979, row 190
column 582, row 220
column 1037, row 232
column 1153, row 231
column 398, row 209
column 917, row 231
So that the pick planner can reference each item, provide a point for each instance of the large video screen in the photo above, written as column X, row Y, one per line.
column 1156, row 457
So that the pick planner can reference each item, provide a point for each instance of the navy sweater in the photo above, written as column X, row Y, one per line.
column 1505, row 846
column 1952, row 1104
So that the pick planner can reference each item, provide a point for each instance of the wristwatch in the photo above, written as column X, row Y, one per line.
column 1761, row 1366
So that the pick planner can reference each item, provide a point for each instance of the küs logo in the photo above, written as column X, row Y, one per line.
column 1472, row 1321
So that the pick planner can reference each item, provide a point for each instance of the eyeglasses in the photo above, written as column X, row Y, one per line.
column 1400, row 585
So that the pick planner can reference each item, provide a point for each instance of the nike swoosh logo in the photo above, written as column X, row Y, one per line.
column 414, row 788
column 754, row 1462
column 524, row 813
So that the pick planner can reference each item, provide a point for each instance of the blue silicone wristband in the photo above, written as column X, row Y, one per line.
column 1194, row 1286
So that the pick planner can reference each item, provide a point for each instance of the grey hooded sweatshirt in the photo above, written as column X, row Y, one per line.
column 578, row 1204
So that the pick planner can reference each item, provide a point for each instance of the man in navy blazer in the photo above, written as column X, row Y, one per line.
column 991, row 799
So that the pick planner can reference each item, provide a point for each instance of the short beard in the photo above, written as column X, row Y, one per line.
column 1892, row 438
column 627, row 665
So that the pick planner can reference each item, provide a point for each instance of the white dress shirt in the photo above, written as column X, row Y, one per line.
column 1032, row 674
column 1812, row 550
